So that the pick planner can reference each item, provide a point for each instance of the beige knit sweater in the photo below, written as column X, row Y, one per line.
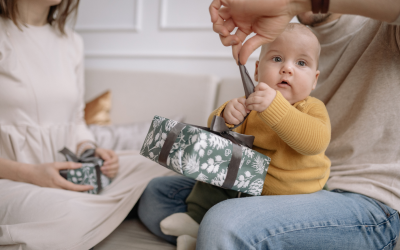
column 360, row 86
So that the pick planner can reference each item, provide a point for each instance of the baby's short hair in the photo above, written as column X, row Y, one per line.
column 295, row 26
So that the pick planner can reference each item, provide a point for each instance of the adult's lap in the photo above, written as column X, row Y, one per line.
column 46, row 218
column 324, row 219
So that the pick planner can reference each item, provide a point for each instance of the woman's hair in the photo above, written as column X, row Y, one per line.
column 58, row 14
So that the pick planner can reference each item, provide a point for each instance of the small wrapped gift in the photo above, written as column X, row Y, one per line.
column 214, row 155
column 89, row 173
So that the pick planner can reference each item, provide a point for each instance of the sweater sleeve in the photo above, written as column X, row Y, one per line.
column 306, row 129
column 82, row 131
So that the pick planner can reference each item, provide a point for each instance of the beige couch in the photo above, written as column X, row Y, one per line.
column 137, row 97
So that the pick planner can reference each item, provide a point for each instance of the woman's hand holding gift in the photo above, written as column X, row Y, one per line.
column 235, row 111
column 111, row 163
column 261, row 98
column 48, row 175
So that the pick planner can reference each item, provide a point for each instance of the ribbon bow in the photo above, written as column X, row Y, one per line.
column 86, row 157
column 219, row 127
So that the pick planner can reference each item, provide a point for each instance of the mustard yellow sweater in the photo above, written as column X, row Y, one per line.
column 295, row 137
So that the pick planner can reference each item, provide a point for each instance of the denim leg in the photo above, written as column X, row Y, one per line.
column 162, row 197
column 321, row 220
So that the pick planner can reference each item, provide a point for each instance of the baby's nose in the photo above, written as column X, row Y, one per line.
column 287, row 71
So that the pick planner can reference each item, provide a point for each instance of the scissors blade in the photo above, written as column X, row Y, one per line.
column 246, row 80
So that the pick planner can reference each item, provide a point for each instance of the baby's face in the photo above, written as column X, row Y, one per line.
column 289, row 64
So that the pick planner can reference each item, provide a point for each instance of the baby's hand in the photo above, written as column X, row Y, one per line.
column 261, row 98
column 235, row 111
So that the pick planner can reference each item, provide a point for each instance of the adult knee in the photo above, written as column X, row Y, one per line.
column 220, row 224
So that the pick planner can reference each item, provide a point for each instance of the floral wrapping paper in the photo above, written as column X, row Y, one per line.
column 204, row 156
column 86, row 175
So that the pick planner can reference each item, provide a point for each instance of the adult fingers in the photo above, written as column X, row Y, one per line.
column 113, row 158
column 108, row 168
column 230, row 39
column 230, row 25
column 216, row 19
column 110, row 172
column 67, row 165
column 214, row 8
column 103, row 154
column 64, row 184
column 236, row 49
column 250, row 45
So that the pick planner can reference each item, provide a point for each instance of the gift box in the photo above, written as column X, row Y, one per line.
column 89, row 173
column 214, row 155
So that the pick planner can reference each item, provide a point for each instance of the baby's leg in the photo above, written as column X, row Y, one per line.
column 200, row 200
column 186, row 242
column 179, row 224
column 203, row 197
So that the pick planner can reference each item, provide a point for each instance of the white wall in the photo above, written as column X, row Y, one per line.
column 154, row 35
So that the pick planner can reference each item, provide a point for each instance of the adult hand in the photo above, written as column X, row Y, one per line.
column 111, row 164
column 266, row 18
column 235, row 111
column 261, row 98
column 48, row 175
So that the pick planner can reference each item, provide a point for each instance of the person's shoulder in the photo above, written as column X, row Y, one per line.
column 74, row 36
column 3, row 28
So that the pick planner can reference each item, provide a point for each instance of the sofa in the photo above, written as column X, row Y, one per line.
column 136, row 98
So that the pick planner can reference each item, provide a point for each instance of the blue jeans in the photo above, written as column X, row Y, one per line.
column 321, row 220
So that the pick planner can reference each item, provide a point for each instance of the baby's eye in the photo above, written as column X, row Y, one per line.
column 277, row 59
column 301, row 63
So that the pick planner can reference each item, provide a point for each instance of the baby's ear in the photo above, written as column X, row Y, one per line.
column 316, row 79
column 256, row 72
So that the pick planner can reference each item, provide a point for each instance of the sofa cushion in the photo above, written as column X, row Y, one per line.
column 138, row 96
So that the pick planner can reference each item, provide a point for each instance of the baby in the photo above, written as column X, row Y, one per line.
column 289, row 126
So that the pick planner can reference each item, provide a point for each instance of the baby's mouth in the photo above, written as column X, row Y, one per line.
column 283, row 84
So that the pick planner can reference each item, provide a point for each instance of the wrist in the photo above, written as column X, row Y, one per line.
column 23, row 172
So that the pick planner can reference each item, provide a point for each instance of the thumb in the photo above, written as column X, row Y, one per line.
column 250, row 46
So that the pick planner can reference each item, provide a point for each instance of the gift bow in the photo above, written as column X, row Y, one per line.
column 86, row 157
column 218, row 126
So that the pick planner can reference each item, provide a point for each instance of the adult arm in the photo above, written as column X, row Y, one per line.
column 268, row 18
column 43, row 175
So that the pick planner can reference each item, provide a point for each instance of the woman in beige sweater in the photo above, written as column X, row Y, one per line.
column 360, row 86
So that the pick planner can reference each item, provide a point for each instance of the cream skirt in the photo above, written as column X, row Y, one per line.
column 33, row 217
